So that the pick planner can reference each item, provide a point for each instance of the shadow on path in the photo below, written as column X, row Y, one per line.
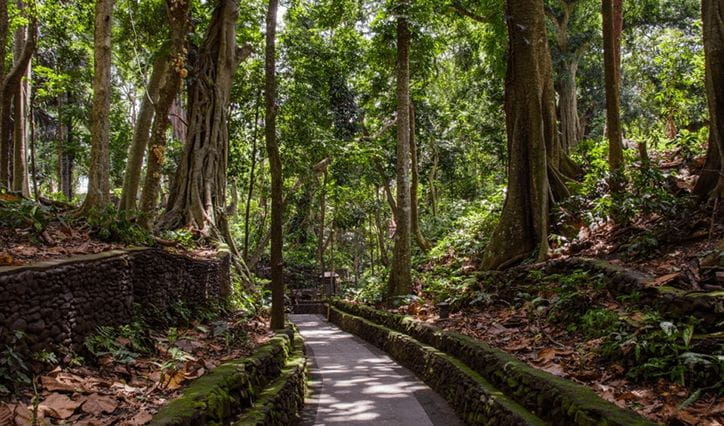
column 355, row 383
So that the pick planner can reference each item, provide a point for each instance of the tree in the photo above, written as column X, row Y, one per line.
column 612, row 13
column 400, row 281
column 98, row 176
column 21, row 104
column 572, row 34
column 178, row 18
column 4, row 142
column 414, row 204
column 275, row 165
column 10, row 88
column 711, row 181
column 198, row 195
column 141, row 135
column 523, row 226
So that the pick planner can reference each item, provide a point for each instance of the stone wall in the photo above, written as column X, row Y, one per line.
column 58, row 303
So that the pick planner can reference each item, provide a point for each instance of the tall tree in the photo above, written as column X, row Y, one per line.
column 4, row 143
column 400, row 280
column 100, row 123
column 612, row 13
column 523, row 227
column 9, row 87
column 198, row 195
column 275, row 166
column 177, row 12
column 141, row 135
column 21, row 101
column 711, row 181
column 414, row 203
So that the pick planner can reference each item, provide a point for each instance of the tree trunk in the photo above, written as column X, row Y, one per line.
column 414, row 216
column 400, row 280
column 380, row 231
column 141, row 135
column 177, row 12
column 612, row 12
column 711, row 180
column 275, row 166
column 10, row 87
column 523, row 226
column 322, row 213
column 21, row 99
column 33, row 169
column 66, row 157
column 252, row 179
column 198, row 196
column 568, row 101
column 4, row 141
column 98, row 196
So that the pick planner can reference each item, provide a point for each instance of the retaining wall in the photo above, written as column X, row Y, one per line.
column 58, row 303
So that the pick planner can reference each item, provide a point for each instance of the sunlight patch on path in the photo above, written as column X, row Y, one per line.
column 355, row 383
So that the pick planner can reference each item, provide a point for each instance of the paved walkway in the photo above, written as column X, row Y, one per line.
column 356, row 383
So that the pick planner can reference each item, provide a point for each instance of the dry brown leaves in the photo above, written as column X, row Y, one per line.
column 553, row 349
column 113, row 393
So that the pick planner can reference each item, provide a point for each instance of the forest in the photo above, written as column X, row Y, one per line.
column 542, row 176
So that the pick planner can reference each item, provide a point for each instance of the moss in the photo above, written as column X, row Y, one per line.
column 231, row 387
column 551, row 397
column 475, row 400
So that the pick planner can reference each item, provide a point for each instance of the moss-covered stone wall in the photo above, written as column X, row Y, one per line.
column 268, row 385
column 474, row 399
column 549, row 397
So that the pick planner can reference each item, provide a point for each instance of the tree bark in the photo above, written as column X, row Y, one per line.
column 275, row 166
column 523, row 226
column 612, row 13
column 322, row 213
column 380, row 231
column 252, row 179
column 400, row 280
column 98, row 196
column 10, row 87
column 66, row 157
column 711, row 180
column 198, row 195
column 33, row 168
column 21, row 102
column 4, row 141
column 415, row 183
column 177, row 12
column 141, row 135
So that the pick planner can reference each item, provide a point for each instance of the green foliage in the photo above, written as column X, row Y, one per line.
column 124, row 344
column 182, row 237
column 23, row 213
column 112, row 225
column 14, row 372
column 665, row 349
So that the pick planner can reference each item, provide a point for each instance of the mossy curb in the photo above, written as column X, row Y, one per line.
column 554, row 399
column 281, row 403
column 233, row 387
column 474, row 399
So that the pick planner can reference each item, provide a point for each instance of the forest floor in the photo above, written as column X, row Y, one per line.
column 570, row 324
column 130, row 375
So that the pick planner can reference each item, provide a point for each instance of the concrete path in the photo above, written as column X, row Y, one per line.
column 356, row 383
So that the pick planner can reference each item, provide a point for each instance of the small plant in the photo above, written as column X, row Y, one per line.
column 14, row 372
column 22, row 213
column 118, row 226
column 182, row 237
column 124, row 344
column 46, row 357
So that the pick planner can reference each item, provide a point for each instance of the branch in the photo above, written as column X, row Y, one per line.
column 461, row 10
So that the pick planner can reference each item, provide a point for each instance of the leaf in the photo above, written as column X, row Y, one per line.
column 546, row 355
column 62, row 382
column 99, row 404
column 174, row 381
column 6, row 415
column 59, row 406
column 141, row 418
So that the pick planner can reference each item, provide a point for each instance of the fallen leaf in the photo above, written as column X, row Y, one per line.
column 141, row 418
column 554, row 369
column 59, row 406
column 99, row 404
column 23, row 415
column 173, row 381
column 546, row 355
column 6, row 415
column 662, row 280
column 687, row 418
